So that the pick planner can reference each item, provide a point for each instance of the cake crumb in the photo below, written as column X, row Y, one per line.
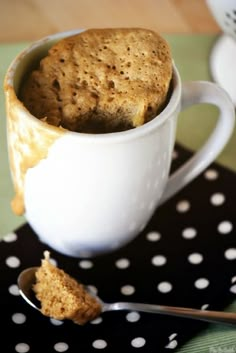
column 61, row 296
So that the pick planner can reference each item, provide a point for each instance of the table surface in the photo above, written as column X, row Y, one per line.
column 32, row 19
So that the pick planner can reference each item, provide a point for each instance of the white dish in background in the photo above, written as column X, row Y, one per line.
column 222, row 58
column 222, row 64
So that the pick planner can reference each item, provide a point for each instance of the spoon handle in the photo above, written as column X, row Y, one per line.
column 204, row 315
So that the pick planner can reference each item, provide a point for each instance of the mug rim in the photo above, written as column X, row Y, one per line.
column 170, row 108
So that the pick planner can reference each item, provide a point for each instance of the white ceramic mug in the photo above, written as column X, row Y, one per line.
column 87, row 194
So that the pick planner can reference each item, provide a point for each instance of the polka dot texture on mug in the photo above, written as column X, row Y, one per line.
column 185, row 255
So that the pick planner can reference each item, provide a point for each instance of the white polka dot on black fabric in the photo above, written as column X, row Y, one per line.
column 211, row 174
column 183, row 206
column 86, row 264
column 133, row 316
column 159, row 260
column 14, row 289
column 233, row 289
column 13, row 262
column 10, row 237
column 99, row 344
column 233, row 279
column 56, row 322
column 92, row 289
column 217, row 199
column 18, row 318
column 189, row 233
column 96, row 321
column 172, row 336
column 122, row 263
column 22, row 347
column 201, row 283
column 61, row 347
column 153, row 236
column 195, row 258
column 138, row 342
column 164, row 287
column 225, row 227
column 173, row 343
column 230, row 254
column 204, row 306
column 127, row 289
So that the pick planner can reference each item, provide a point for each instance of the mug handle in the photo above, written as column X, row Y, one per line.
column 196, row 92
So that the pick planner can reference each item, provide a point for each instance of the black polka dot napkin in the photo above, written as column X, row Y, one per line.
column 186, row 256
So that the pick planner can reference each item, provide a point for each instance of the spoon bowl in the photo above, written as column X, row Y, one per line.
column 26, row 279
column 25, row 282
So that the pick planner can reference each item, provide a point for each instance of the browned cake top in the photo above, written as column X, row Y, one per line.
column 100, row 79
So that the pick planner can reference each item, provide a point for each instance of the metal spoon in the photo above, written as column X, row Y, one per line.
column 27, row 278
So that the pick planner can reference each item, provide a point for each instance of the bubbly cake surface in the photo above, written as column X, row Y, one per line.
column 101, row 80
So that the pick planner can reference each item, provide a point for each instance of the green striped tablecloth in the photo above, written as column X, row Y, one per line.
column 191, row 55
